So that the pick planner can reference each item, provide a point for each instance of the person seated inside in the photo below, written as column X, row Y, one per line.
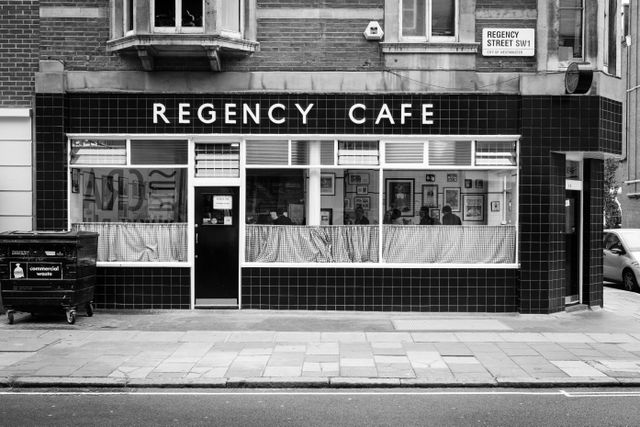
column 283, row 218
column 361, row 219
column 425, row 219
column 393, row 216
column 449, row 218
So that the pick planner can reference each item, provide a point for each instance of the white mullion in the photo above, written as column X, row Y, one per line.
column 69, row 178
column 381, row 196
column 473, row 152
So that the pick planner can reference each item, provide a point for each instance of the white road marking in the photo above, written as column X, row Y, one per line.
column 564, row 393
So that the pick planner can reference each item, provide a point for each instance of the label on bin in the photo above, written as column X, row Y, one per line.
column 35, row 270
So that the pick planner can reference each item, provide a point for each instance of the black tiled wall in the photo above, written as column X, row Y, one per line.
column 592, row 235
column 378, row 289
column 142, row 287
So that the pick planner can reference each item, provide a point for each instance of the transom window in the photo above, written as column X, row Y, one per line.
column 428, row 20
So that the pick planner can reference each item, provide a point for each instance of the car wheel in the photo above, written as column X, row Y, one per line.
column 629, row 281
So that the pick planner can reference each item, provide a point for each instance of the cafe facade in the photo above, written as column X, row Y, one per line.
column 249, row 200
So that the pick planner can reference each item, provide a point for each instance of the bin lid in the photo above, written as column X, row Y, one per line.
column 45, row 234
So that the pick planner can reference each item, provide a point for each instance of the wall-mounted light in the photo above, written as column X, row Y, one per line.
column 373, row 31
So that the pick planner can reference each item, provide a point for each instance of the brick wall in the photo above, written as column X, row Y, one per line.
column 19, row 37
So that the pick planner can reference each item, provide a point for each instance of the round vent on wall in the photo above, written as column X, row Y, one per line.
column 577, row 81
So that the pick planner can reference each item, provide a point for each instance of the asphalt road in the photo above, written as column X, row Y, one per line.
column 400, row 407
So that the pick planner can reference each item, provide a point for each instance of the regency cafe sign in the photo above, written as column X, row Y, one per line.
column 300, row 113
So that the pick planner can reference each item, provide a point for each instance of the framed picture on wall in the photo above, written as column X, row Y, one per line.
column 358, row 178
column 452, row 177
column 75, row 180
column 362, row 189
column 479, row 183
column 430, row 195
column 107, row 193
column 430, row 177
column 452, row 198
column 326, row 216
column 473, row 208
column 328, row 184
column 435, row 214
column 468, row 183
column 89, row 185
column 400, row 195
column 363, row 201
column 347, row 204
column 495, row 206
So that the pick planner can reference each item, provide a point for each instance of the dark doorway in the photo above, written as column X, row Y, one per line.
column 572, row 246
column 216, row 246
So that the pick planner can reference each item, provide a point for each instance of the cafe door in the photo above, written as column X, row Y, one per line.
column 216, row 246
column 572, row 246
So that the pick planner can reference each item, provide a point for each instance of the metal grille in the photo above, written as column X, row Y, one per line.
column 358, row 153
column 496, row 153
column 450, row 153
column 404, row 152
column 218, row 160
column 94, row 152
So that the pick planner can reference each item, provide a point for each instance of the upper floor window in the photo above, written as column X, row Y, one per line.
column 178, row 15
column 570, row 38
column 428, row 19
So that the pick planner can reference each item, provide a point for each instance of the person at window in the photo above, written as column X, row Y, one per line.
column 450, row 218
column 283, row 218
column 396, row 217
column 425, row 219
column 361, row 219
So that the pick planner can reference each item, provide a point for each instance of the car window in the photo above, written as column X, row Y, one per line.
column 611, row 241
column 632, row 239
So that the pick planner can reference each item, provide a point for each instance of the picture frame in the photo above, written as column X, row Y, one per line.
column 495, row 206
column 75, row 180
column 326, row 216
column 451, row 197
column 358, row 178
column 364, row 201
column 473, row 207
column 452, row 177
column 430, row 195
column 468, row 183
column 479, row 183
column 400, row 195
column 89, row 185
column 430, row 177
column 362, row 189
column 107, row 193
column 347, row 204
column 435, row 213
column 327, row 184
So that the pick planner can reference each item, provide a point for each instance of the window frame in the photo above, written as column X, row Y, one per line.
column 429, row 37
column 128, row 165
column 178, row 28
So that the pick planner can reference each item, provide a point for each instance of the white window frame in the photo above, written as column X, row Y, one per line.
column 428, row 36
column 178, row 28
column 234, row 34
column 128, row 138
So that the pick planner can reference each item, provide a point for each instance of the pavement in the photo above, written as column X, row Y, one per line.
column 261, row 349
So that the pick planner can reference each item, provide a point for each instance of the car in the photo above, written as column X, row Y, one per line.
column 621, row 257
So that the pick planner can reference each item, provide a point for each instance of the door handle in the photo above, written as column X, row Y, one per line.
column 196, row 238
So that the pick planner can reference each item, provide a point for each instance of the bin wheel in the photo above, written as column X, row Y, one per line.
column 89, row 308
column 10, row 317
column 71, row 317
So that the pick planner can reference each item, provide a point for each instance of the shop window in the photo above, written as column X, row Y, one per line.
column 428, row 20
column 139, row 209
column 570, row 37
column 304, row 153
column 449, row 216
column 217, row 160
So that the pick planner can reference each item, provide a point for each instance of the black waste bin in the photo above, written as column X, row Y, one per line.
column 45, row 271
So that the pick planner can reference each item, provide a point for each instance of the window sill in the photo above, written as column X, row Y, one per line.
column 429, row 47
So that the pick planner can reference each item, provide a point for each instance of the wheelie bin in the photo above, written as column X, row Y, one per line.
column 47, row 271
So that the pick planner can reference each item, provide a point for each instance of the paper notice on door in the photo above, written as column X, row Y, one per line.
column 222, row 202
column 227, row 220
